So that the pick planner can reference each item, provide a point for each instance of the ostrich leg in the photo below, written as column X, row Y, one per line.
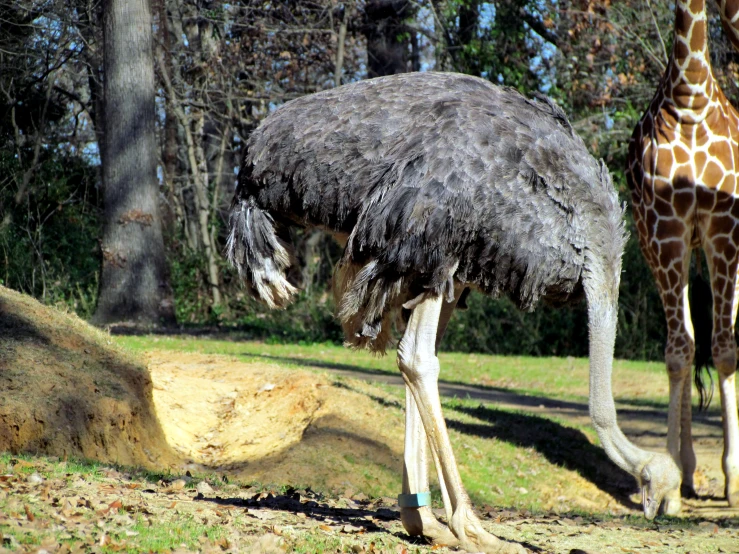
column 420, row 368
column 420, row 520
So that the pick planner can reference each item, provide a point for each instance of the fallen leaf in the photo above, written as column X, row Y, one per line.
column 29, row 514
column 260, row 514
column 176, row 485
column 351, row 529
column 204, row 488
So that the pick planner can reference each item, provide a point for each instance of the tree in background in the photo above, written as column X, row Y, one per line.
column 48, row 198
column 221, row 67
column 134, row 280
column 388, row 37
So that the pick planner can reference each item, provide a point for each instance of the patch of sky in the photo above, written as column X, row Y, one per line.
column 487, row 16
column 425, row 18
column 541, row 64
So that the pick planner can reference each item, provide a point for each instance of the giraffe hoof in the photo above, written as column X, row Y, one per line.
column 688, row 491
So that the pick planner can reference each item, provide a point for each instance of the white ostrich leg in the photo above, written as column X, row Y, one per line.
column 420, row 520
column 420, row 368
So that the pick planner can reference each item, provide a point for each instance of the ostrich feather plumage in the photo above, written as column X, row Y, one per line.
column 434, row 180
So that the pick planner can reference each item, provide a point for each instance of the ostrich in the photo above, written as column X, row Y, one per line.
column 437, row 183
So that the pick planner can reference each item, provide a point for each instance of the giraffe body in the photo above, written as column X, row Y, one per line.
column 683, row 162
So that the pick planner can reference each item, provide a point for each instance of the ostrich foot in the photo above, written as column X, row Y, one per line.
column 473, row 538
column 672, row 503
column 421, row 521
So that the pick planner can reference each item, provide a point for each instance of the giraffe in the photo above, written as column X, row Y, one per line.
column 682, row 171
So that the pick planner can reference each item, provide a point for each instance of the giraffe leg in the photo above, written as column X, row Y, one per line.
column 687, row 454
column 730, row 460
column 420, row 368
column 670, row 263
column 724, row 283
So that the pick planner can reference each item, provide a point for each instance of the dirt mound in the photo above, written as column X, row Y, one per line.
column 66, row 391
column 260, row 422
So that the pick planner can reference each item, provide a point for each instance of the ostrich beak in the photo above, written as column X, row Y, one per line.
column 649, row 505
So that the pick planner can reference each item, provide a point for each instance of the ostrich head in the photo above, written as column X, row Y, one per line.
column 658, row 477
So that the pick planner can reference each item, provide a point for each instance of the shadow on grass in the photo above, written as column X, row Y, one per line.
column 459, row 389
column 704, row 416
column 560, row 445
column 366, row 515
column 314, row 505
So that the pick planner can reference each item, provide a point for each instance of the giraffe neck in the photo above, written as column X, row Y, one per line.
column 729, row 11
column 689, row 71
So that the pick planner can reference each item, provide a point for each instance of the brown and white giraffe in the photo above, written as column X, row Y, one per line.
column 683, row 162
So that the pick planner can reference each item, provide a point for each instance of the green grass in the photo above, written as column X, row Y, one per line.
column 560, row 378
column 504, row 455
column 182, row 530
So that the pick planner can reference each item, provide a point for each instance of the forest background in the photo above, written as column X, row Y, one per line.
column 217, row 69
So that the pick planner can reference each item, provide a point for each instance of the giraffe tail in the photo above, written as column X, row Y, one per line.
column 701, row 302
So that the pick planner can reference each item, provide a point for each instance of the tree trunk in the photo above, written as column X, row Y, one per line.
column 169, row 133
column 386, row 33
column 341, row 45
column 134, row 282
column 202, row 202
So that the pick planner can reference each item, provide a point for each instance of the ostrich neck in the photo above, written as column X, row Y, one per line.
column 620, row 450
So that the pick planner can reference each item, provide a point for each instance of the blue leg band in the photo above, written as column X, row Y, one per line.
column 414, row 500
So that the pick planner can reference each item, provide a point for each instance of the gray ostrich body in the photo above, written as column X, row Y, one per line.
column 440, row 182
column 425, row 175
